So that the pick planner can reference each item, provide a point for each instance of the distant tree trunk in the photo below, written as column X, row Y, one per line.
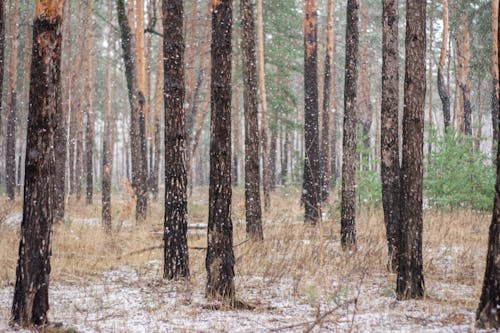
column 410, row 282
column 90, row 127
column 157, row 128
column 137, row 119
column 431, row 58
column 10, row 151
column 443, row 91
column 273, row 149
column 348, row 205
column 311, row 181
column 390, row 168
column 463, row 46
column 31, row 301
column 326, row 170
column 220, row 257
column 487, row 314
column 175, row 223
column 107, row 141
column 252, row 171
column 236, row 122
column 494, row 72
column 479, row 129
column 264, row 137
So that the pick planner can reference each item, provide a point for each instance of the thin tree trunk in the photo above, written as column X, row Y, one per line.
column 137, row 119
column 176, row 259
column 463, row 44
column 236, row 122
column 443, row 91
column 348, row 205
column 264, row 137
column 431, row 57
column 479, row 129
column 157, row 115
column 107, row 145
column 390, row 168
column 2, row 60
column 252, row 171
column 410, row 282
column 90, row 127
column 10, row 149
column 311, row 181
column 31, row 301
column 494, row 72
column 326, row 151
column 220, row 256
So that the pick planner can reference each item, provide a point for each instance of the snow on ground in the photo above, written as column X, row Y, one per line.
column 137, row 300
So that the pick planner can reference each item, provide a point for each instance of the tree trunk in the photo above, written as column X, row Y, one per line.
column 431, row 58
column 443, row 91
column 326, row 170
column 494, row 72
column 107, row 141
column 463, row 45
column 263, row 104
column 157, row 128
column 31, row 301
column 175, row 223
column 137, row 119
column 2, row 60
column 220, row 257
column 10, row 149
column 390, row 168
column 311, row 181
column 90, row 127
column 410, row 282
column 252, row 171
column 236, row 121
column 348, row 205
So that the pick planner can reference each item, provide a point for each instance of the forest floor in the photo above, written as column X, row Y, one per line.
column 298, row 279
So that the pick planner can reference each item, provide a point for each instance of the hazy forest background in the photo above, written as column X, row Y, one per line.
column 299, row 167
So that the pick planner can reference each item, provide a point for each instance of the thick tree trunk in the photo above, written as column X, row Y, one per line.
column 264, row 136
column 31, row 301
column 90, row 127
column 107, row 141
column 137, row 119
column 220, row 256
column 2, row 60
column 410, row 282
column 390, row 168
column 494, row 72
column 176, row 257
column 442, row 89
column 10, row 149
column 348, row 205
column 326, row 151
column 252, row 171
column 311, row 179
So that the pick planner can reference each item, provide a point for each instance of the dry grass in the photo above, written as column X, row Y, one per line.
column 307, row 259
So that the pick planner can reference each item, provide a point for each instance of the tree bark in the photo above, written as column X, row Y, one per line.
column 442, row 89
column 264, row 136
column 90, row 126
column 311, row 181
column 176, row 257
column 494, row 72
column 410, row 282
column 137, row 119
column 348, row 205
column 390, row 168
column 157, row 128
column 2, row 60
column 31, row 301
column 431, row 58
column 252, row 170
column 463, row 45
column 220, row 257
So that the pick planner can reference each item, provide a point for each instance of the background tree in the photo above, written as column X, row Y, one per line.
column 90, row 124
column 443, row 91
column 175, row 227
column 410, row 282
column 253, row 211
column 494, row 71
column 311, row 178
column 348, row 205
column 31, row 301
column 220, row 256
column 390, row 168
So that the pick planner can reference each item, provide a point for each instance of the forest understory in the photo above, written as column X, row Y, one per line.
column 298, row 279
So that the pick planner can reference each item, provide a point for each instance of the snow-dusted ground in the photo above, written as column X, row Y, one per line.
column 129, row 300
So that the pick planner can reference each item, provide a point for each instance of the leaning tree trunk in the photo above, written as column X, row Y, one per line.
column 252, row 171
column 31, row 294
column 176, row 257
column 10, row 149
column 494, row 71
column 326, row 170
column 410, row 282
column 311, row 179
column 137, row 119
column 348, row 227
column 220, row 257
column 442, row 89
column 390, row 128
